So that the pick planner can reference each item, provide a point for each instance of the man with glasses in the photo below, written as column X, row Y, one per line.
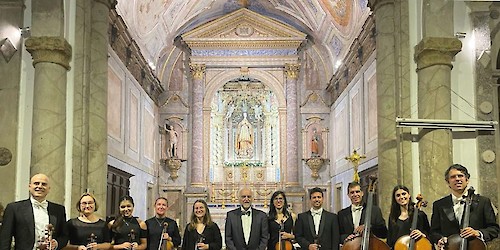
column 246, row 227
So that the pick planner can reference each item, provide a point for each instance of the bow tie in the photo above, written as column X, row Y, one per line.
column 42, row 205
column 356, row 208
column 316, row 213
column 456, row 200
column 245, row 212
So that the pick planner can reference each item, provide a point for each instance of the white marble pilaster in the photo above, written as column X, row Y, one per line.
column 198, row 72
column 292, row 72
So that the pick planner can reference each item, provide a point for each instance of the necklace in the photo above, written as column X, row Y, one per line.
column 160, row 223
column 127, row 220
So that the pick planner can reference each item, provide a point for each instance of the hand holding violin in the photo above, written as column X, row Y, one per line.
column 202, row 246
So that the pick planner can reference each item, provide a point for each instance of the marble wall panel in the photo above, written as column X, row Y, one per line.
column 115, row 85
column 356, row 117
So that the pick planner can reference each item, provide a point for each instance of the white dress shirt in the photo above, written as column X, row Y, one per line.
column 356, row 215
column 316, row 214
column 41, row 215
column 246, row 223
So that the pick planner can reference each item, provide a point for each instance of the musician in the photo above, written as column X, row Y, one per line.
column 351, row 218
column 201, row 232
column 27, row 220
column 128, row 231
column 87, row 231
column 317, row 228
column 157, row 223
column 246, row 227
column 448, row 211
column 279, row 214
column 401, row 216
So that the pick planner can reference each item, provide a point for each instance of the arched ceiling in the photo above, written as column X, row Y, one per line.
column 331, row 25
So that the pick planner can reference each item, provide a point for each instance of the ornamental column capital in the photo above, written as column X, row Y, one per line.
column 292, row 70
column 198, row 70
column 436, row 51
column 49, row 49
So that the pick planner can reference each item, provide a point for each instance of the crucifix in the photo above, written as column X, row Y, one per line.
column 354, row 158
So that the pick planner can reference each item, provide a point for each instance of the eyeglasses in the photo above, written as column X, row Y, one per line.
column 246, row 196
column 87, row 203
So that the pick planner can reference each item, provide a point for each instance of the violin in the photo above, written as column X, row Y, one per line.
column 405, row 242
column 201, row 239
column 46, row 241
column 367, row 241
column 91, row 240
column 283, row 244
column 455, row 242
column 131, row 237
column 164, row 243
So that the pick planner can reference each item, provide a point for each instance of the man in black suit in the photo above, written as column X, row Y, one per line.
column 317, row 228
column 352, row 218
column 445, row 211
column 246, row 228
column 27, row 220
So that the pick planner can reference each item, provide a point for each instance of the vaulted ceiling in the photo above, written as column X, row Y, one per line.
column 330, row 25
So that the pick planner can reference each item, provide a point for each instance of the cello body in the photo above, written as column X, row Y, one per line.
column 420, row 244
column 374, row 244
column 455, row 241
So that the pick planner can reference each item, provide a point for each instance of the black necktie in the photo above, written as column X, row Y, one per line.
column 245, row 213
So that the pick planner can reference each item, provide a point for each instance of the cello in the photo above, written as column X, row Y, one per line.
column 455, row 242
column 405, row 242
column 367, row 241
column 164, row 243
column 283, row 244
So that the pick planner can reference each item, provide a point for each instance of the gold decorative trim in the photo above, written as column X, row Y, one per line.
column 292, row 70
column 244, row 44
column 198, row 70
column 436, row 51
column 49, row 49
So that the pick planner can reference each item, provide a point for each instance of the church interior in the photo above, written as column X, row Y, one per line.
column 191, row 99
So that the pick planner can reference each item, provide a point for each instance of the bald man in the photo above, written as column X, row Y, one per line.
column 26, row 221
column 246, row 227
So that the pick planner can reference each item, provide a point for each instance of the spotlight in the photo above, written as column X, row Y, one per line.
column 25, row 32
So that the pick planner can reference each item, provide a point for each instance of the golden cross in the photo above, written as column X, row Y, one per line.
column 354, row 158
column 244, row 3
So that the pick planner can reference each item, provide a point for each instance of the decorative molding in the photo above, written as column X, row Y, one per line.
column 5, row 156
column 49, row 49
column 359, row 52
column 198, row 70
column 244, row 52
column 436, row 51
column 129, row 53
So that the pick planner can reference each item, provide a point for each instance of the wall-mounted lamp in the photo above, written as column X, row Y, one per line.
column 460, row 35
column 25, row 32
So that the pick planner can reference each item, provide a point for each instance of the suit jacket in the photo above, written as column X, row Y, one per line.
column 19, row 222
column 259, row 233
column 378, row 227
column 328, row 234
column 482, row 217
column 211, row 235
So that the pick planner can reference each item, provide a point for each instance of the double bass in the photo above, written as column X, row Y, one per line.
column 367, row 241
column 283, row 244
column 164, row 243
column 405, row 242
column 455, row 242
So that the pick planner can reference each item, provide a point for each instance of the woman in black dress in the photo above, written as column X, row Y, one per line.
column 280, row 219
column 159, row 224
column 87, row 231
column 401, row 215
column 201, row 233
column 127, row 231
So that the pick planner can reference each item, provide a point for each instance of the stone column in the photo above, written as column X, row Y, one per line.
column 291, row 177
column 51, row 55
column 387, row 98
column 198, row 71
column 433, row 56
column 97, row 102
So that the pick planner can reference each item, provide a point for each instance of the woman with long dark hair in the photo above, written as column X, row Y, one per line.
column 127, row 231
column 87, row 231
column 400, row 217
column 201, row 232
column 280, row 218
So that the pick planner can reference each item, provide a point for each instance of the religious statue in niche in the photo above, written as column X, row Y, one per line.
column 315, row 142
column 173, row 137
column 244, row 138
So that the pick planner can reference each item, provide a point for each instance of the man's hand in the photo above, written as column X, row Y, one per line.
column 441, row 243
column 469, row 232
column 314, row 246
column 359, row 230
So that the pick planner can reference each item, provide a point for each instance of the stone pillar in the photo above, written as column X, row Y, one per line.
column 51, row 55
column 198, row 71
column 291, row 177
column 387, row 99
column 11, row 13
column 433, row 56
column 97, row 102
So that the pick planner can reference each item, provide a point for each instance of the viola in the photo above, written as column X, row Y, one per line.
column 283, row 244
column 455, row 242
column 405, row 242
column 164, row 243
column 367, row 241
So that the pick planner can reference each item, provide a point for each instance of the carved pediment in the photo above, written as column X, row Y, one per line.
column 244, row 29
